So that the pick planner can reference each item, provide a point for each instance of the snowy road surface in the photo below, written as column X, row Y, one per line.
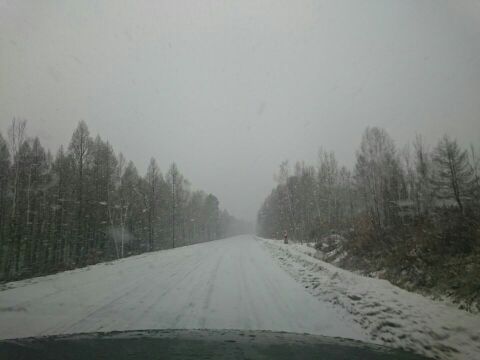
column 232, row 284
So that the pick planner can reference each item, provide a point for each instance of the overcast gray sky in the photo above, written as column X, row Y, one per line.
column 229, row 89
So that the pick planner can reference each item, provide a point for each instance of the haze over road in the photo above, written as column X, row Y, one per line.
column 224, row 284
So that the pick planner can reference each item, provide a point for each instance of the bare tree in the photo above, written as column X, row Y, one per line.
column 79, row 149
column 376, row 172
column 16, row 136
column 454, row 174
column 4, row 214
column 286, row 200
column 153, row 179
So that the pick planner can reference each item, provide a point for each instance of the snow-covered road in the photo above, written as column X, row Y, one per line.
column 226, row 284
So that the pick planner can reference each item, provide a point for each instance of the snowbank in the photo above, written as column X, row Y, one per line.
column 388, row 314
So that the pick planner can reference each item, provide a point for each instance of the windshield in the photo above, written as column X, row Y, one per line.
column 300, row 166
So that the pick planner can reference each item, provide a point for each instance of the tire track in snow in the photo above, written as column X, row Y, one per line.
column 210, row 287
column 123, row 292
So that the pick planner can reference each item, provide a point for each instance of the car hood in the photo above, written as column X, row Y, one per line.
column 195, row 344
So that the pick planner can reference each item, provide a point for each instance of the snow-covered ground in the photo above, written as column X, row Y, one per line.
column 388, row 314
column 225, row 284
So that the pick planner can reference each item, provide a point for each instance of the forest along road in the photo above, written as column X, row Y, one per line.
column 225, row 284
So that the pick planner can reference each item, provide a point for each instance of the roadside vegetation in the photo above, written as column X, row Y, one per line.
column 409, row 215
column 88, row 204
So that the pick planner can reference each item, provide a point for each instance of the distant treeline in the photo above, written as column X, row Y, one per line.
column 410, row 211
column 87, row 204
